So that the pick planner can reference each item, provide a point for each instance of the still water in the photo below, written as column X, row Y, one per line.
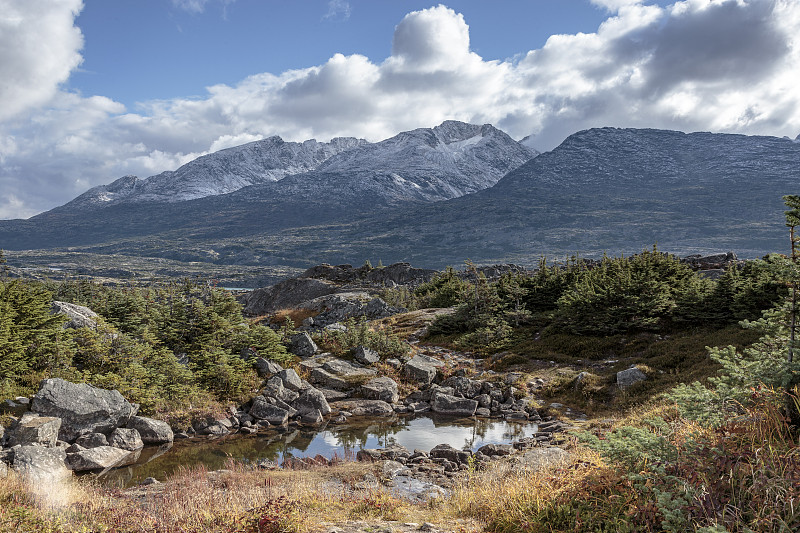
column 343, row 440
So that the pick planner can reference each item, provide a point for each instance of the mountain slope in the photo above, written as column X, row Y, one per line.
column 221, row 172
column 420, row 166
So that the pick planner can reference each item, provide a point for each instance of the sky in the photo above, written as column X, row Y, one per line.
column 93, row 90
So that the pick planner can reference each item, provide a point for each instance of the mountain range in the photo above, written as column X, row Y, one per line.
column 438, row 196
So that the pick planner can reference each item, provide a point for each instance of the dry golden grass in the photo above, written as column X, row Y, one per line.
column 296, row 315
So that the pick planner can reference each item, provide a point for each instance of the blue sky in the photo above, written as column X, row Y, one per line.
column 92, row 90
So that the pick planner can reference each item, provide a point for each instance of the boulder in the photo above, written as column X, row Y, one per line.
column 451, row 405
column 78, row 316
column 40, row 464
column 312, row 417
column 92, row 440
column 126, row 439
column 310, row 400
column 151, row 431
column 274, row 389
column 265, row 367
column 420, row 371
column 365, row 407
column 383, row 388
column 288, row 294
column 34, row 429
column 100, row 458
column 629, row 377
column 81, row 407
column 445, row 451
column 326, row 379
column 302, row 345
column 366, row 356
column 263, row 410
column 291, row 380
column 348, row 371
column 464, row 387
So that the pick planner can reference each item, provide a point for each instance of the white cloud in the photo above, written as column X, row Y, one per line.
column 338, row 9
column 719, row 65
column 197, row 6
column 39, row 48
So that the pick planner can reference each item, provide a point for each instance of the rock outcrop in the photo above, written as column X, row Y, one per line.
column 78, row 315
column 81, row 407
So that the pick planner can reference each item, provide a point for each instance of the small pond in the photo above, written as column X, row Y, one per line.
column 343, row 440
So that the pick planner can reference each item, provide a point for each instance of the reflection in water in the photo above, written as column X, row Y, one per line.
column 342, row 441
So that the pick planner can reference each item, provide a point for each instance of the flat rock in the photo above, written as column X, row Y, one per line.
column 100, row 458
column 151, row 431
column 365, row 407
column 346, row 370
column 451, row 405
column 321, row 376
column 82, row 407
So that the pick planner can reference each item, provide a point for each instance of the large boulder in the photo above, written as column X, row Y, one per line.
column 382, row 388
column 302, row 345
column 101, row 458
column 446, row 404
column 287, row 294
column 78, row 316
column 420, row 371
column 40, row 464
column 34, row 429
column 310, row 400
column 81, row 407
column 151, row 431
column 263, row 410
column 291, row 380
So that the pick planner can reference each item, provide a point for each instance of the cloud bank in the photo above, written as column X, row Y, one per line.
column 714, row 65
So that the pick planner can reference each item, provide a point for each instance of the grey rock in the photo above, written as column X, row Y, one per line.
column 334, row 395
column 452, row 405
column 100, row 458
column 311, row 417
column 484, row 400
column 291, row 380
column 126, row 439
column 629, row 377
column 347, row 371
column 274, row 388
column 40, row 464
column 322, row 377
column 82, row 407
column 151, row 431
column 420, row 371
column 302, row 345
column 366, row 356
column 310, row 400
column 445, row 451
column 92, row 440
column 265, row 367
column 287, row 294
column 78, row 316
column 34, row 429
column 365, row 407
column 483, row 412
column 382, row 388
column 273, row 414
column 464, row 387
